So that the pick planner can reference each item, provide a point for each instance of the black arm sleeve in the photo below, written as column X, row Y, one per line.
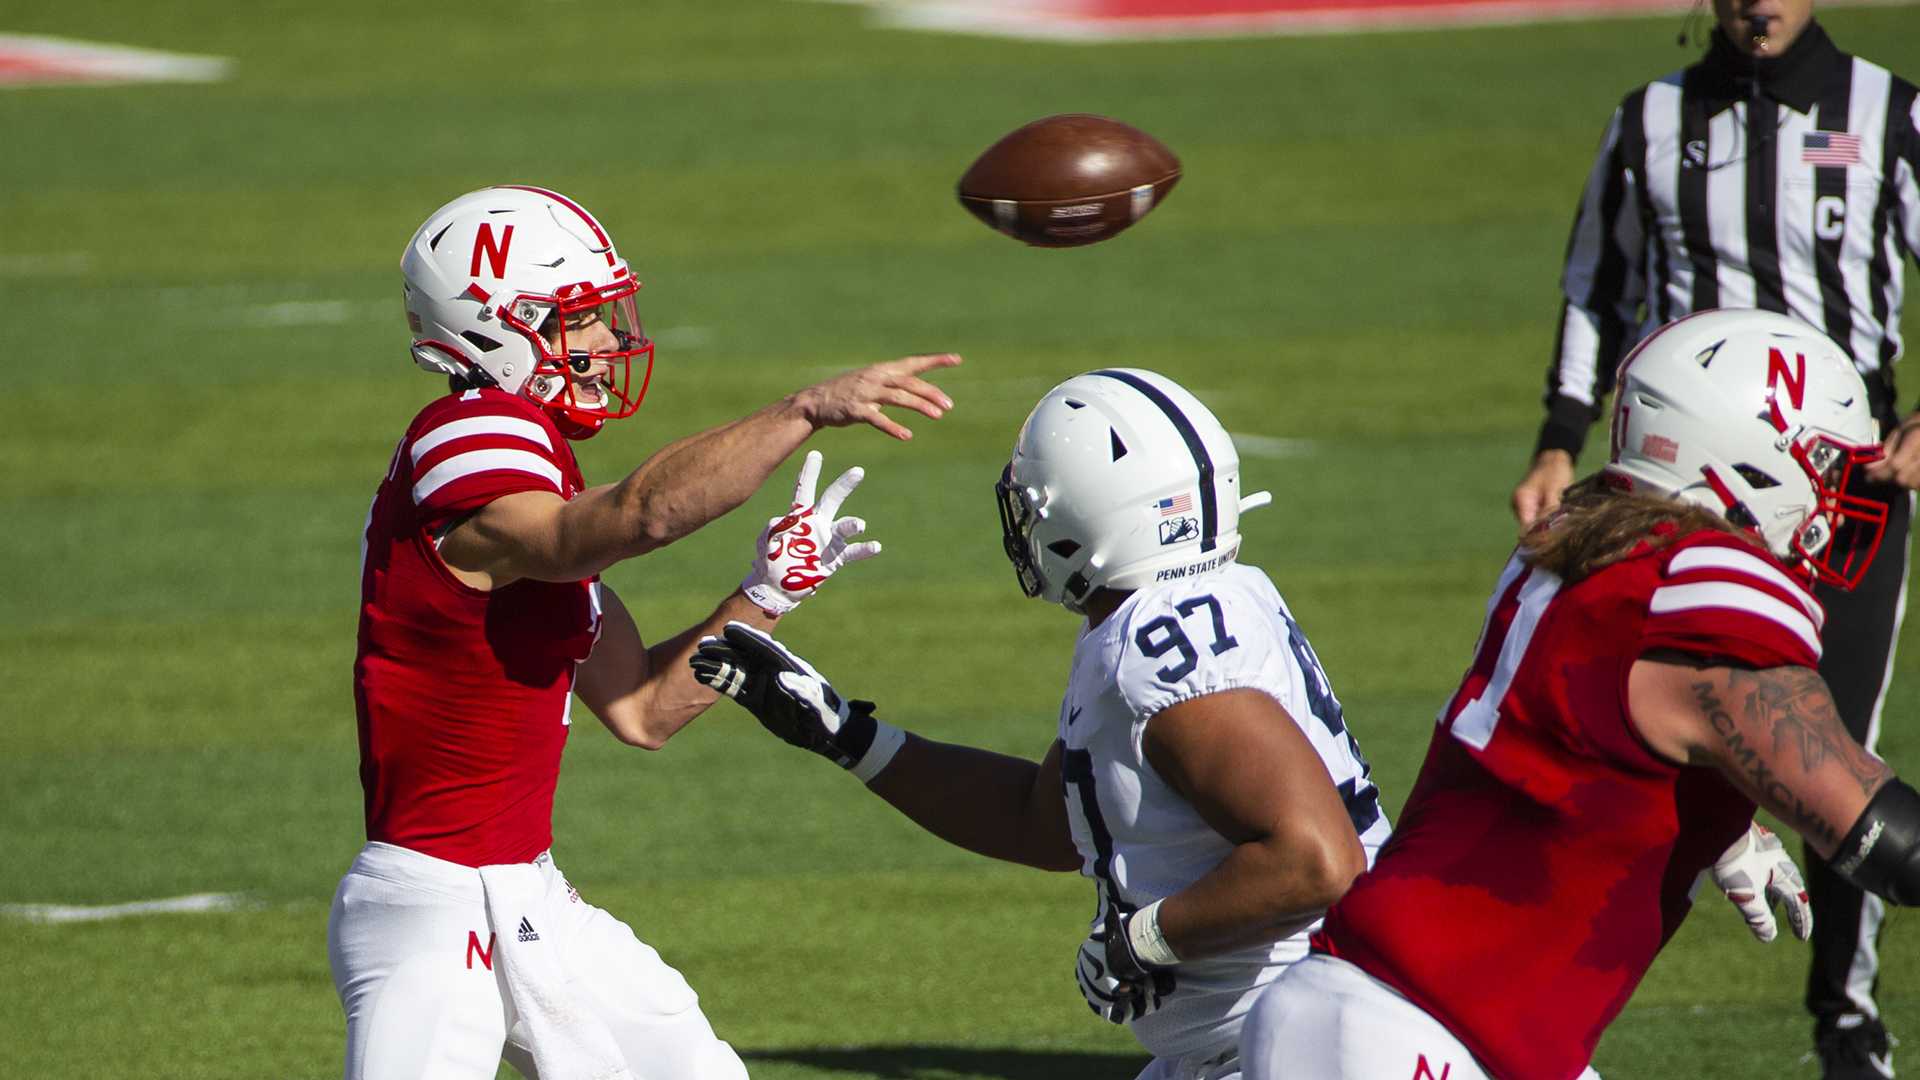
column 1881, row 853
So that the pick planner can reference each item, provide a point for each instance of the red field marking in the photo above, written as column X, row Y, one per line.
column 43, row 61
column 1282, row 16
column 1119, row 20
column 28, row 69
column 1213, row 9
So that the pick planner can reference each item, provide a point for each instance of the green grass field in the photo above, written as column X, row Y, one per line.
column 206, row 371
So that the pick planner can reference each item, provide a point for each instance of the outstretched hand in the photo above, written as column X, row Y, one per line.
column 861, row 396
column 797, row 552
column 790, row 697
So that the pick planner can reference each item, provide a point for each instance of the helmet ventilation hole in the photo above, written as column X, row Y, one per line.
column 1755, row 478
column 1066, row 549
column 1072, row 404
column 1119, row 448
column 480, row 341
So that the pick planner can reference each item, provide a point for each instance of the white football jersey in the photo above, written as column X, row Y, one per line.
column 1138, row 839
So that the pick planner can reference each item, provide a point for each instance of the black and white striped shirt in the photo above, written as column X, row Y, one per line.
column 1787, row 184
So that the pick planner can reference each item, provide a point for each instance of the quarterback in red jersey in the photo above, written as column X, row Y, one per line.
column 454, row 940
column 1644, row 677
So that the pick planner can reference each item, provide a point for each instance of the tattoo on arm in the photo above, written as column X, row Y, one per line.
column 1792, row 709
column 1800, row 710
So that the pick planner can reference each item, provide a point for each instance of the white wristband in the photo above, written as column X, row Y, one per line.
column 887, row 741
column 767, row 598
column 1149, row 944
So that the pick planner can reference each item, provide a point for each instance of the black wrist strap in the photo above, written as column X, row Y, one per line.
column 1121, row 959
column 855, row 737
column 1881, row 853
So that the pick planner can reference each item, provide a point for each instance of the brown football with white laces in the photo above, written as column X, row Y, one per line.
column 1069, row 180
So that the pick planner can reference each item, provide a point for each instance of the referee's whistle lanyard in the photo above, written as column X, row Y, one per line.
column 1759, row 133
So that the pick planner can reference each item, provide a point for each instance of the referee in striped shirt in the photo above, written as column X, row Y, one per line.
column 1776, row 173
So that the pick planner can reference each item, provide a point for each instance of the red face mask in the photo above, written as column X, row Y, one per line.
column 1841, row 536
column 564, row 382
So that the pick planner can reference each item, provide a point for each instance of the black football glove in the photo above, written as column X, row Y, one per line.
column 1118, row 985
column 785, row 694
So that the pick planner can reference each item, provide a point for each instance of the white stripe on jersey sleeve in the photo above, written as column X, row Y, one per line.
column 510, row 426
column 1579, row 344
column 1744, row 562
column 479, row 461
column 1868, row 117
column 1908, row 186
column 1664, row 155
column 1735, row 597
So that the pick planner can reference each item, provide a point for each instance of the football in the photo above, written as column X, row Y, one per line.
column 1069, row 180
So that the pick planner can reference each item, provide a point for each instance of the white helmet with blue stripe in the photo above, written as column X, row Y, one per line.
column 1120, row 478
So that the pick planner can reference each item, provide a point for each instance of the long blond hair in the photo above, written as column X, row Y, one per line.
column 1597, row 526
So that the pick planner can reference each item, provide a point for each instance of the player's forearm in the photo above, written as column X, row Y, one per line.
column 667, row 697
column 1263, row 891
column 978, row 800
column 680, row 488
column 697, row 479
column 1776, row 735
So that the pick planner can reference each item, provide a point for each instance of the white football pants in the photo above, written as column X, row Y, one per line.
column 1325, row 1019
column 1209, row 1064
column 414, row 959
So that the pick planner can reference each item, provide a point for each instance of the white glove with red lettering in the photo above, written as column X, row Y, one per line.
column 809, row 545
column 1757, row 873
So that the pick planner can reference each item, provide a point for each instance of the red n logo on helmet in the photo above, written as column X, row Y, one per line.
column 496, row 253
column 1795, row 379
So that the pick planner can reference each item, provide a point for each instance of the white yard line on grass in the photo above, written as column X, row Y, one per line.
column 198, row 903
column 301, row 313
column 62, row 262
column 1101, row 21
column 29, row 60
column 1267, row 446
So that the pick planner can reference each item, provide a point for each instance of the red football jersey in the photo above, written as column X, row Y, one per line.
column 463, row 695
column 1546, row 854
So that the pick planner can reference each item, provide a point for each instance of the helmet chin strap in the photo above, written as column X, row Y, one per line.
column 1078, row 604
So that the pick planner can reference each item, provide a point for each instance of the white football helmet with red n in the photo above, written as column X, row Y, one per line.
column 489, row 278
column 1761, row 419
column 1119, row 478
